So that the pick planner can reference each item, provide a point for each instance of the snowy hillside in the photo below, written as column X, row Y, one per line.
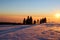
column 30, row 32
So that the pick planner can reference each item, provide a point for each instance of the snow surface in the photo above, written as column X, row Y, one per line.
column 30, row 32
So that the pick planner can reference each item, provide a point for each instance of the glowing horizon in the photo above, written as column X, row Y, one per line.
column 16, row 10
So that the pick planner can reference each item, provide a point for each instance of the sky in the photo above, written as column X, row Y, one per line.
column 16, row 10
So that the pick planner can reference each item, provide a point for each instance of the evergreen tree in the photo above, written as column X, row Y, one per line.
column 34, row 22
column 43, row 20
column 24, row 21
column 27, row 20
column 30, row 20
column 37, row 21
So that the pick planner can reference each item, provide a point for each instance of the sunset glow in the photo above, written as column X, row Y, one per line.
column 16, row 10
column 29, row 19
column 57, row 15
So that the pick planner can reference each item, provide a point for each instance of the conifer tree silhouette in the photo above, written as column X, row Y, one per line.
column 27, row 20
column 24, row 21
column 30, row 20
column 43, row 20
column 37, row 21
column 34, row 21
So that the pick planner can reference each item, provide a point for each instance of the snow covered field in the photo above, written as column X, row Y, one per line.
column 30, row 32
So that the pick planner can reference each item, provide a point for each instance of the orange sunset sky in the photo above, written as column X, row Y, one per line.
column 16, row 10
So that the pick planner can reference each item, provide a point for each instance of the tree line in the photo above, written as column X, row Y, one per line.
column 29, row 20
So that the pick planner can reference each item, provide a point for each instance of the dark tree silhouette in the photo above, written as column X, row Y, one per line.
column 30, row 19
column 43, row 20
column 34, row 21
column 27, row 20
column 24, row 21
column 37, row 21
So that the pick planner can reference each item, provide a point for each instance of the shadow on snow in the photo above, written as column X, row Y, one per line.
column 14, row 29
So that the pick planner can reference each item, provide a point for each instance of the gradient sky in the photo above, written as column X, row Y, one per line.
column 22, row 8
